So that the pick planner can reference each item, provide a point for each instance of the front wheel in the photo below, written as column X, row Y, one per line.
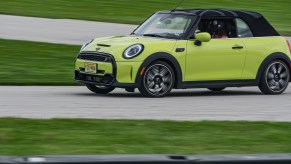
column 275, row 78
column 99, row 89
column 158, row 80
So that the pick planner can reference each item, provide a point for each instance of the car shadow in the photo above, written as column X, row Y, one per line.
column 113, row 95
column 176, row 93
column 212, row 93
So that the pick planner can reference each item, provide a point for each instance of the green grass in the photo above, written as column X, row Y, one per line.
column 27, row 63
column 80, row 136
column 134, row 12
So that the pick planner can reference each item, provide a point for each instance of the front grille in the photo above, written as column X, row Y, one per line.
column 94, row 57
column 107, row 79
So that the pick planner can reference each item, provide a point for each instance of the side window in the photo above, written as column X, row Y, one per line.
column 243, row 29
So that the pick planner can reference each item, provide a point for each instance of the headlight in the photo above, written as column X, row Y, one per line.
column 133, row 51
column 86, row 44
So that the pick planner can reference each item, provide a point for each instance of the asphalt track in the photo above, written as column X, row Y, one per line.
column 59, row 30
column 194, row 104
column 71, row 102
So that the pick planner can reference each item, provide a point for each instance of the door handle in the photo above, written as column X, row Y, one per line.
column 237, row 47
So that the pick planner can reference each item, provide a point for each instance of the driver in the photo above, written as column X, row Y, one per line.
column 219, row 30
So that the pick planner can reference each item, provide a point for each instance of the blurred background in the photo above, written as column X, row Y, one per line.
column 28, row 69
column 134, row 12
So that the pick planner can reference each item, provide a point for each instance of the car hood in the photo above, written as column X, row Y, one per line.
column 116, row 45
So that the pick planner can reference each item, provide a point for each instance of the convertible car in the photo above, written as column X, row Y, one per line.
column 193, row 48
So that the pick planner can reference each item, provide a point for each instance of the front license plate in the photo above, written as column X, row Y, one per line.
column 91, row 68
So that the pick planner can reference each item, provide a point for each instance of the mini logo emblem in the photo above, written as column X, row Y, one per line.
column 97, row 49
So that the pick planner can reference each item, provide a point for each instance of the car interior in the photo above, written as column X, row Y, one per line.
column 224, row 28
column 218, row 28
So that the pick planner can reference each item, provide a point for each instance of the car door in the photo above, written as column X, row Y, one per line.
column 218, row 59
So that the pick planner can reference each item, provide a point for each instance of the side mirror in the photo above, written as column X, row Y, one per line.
column 202, row 37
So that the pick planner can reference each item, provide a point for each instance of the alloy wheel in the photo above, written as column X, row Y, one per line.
column 277, row 77
column 158, row 79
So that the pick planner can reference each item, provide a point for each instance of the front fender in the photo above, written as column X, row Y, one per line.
column 163, row 56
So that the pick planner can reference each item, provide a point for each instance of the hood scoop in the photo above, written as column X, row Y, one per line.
column 103, row 45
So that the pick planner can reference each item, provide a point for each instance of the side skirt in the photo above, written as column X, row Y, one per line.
column 193, row 84
column 218, row 84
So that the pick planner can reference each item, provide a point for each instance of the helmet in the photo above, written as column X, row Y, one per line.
column 218, row 25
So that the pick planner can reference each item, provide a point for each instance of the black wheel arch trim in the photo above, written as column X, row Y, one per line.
column 164, row 57
column 271, row 57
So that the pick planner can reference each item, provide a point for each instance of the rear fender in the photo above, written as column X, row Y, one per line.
column 273, row 56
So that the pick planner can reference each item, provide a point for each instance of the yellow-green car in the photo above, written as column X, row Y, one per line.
column 195, row 48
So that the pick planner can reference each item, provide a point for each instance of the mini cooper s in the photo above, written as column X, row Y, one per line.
column 193, row 48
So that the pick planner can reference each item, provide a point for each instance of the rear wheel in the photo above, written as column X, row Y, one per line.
column 216, row 89
column 158, row 80
column 99, row 89
column 275, row 78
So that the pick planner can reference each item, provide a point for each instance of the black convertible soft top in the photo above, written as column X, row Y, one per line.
column 257, row 23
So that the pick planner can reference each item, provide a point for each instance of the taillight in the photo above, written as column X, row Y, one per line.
column 288, row 44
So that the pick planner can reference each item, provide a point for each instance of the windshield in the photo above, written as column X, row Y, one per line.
column 172, row 26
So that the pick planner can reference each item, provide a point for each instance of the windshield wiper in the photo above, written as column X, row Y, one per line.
column 153, row 35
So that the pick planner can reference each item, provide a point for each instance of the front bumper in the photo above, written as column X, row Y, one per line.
column 107, row 73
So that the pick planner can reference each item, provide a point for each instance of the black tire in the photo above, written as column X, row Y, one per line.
column 99, row 89
column 158, row 80
column 216, row 89
column 275, row 78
